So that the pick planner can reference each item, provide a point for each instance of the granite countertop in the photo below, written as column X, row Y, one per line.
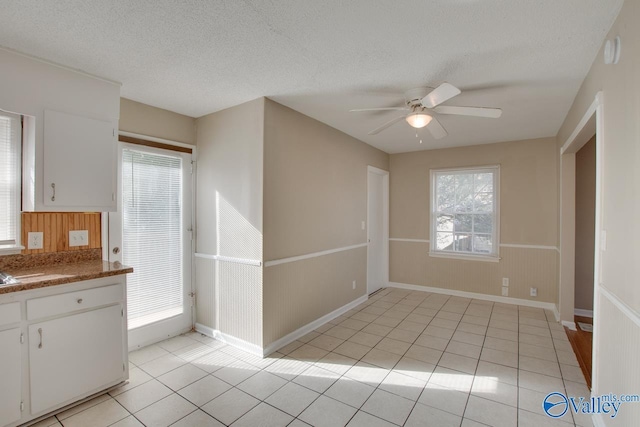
column 40, row 272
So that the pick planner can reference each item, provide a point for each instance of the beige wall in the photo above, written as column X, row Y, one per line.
column 528, row 216
column 617, row 346
column 315, row 198
column 229, row 220
column 585, row 224
column 151, row 121
column 315, row 184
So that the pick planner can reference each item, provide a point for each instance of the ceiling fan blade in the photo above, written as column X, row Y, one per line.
column 439, row 95
column 436, row 129
column 379, row 109
column 386, row 125
column 493, row 113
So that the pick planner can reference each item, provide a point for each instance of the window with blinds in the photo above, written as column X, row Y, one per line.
column 9, row 179
column 152, row 235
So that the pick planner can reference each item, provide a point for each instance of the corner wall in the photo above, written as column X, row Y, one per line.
column 528, row 220
column 229, row 221
column 315, row 199
column 617, row 304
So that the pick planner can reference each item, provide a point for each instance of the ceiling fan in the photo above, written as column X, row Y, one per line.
column 421, row 103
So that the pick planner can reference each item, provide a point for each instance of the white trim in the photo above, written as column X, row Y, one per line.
column 377, row 170
column 300, row 332
column 231, row 340
column 570, row 325
column 628, row 311
column 11, row 249
column 556, row 313
column 154, row 139
column 254, row 262
column 583, row 313
column 513, row 245
column 396, row 239
column 583, row 127
column 464, row 256
column 485, row 297
column 312, row 255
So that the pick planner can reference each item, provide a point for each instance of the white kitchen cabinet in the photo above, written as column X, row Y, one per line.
column 80, row 163
column 73, row 355
column 10, row 364
column 60, row 344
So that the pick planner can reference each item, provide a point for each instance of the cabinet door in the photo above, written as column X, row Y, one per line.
column 10, row 369
column 74, row 355
column 80, row 161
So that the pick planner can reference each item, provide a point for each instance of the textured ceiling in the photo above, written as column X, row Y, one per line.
column 326, row 57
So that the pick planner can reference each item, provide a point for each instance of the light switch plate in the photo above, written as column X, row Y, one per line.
column 34, row 240
column 79, row 238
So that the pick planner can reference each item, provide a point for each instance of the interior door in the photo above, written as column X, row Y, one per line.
column 153, row 228
column 377, row 229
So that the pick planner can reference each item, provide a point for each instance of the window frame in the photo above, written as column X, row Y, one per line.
column 433, row 251
column 16, row 247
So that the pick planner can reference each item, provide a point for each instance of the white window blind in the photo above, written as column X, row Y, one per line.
column 9, row 179
column 152, row 235
column 464, row 217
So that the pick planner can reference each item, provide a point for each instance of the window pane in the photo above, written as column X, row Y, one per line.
column 483, row 202
column 446, row 193
column 464, row 222
column 464, row 192
column 483, row 182
column 482, row 243
column 463, row 242
column 483, row 223
column 444, row 222
column 444, row 241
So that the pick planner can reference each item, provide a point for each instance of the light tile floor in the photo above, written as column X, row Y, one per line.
column 401, row 358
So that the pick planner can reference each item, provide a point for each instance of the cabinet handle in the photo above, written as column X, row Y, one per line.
column 79, row 300
column 40, row 332
column 53, row 186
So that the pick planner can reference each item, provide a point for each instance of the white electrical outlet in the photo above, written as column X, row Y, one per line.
column 363, row 225
column 79, row 238
column 505, row 291
column 505, row 281
column 533, row 292
column 354, row 284
column 34, row 240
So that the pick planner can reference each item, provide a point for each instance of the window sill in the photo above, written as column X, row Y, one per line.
column 465, row 257
column 10, row 249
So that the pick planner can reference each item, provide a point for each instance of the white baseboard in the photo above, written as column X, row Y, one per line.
column 262, row 352
column 583, row 313
column 495, row 298
column 570, row 325
column 300, row 332
column 231, row 340
column 556, row 313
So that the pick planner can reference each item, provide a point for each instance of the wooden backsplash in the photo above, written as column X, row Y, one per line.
column 55, row 227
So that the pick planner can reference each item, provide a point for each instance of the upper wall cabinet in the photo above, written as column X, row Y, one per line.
column 79, row 162
column 68, row 134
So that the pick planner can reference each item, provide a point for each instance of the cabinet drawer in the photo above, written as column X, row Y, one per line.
column 9, row 313
column 38, row 308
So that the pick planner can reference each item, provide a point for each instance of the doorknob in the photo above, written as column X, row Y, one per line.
column 116, row 250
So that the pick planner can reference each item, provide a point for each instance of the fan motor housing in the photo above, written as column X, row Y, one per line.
column 414, row 96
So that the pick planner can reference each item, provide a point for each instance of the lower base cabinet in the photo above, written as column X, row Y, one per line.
column 74, row 354
column 59, row 345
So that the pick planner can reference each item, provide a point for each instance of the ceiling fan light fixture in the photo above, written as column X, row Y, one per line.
column 418, row 119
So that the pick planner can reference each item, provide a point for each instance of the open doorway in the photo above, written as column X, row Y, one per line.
column 582, row 239
column 582, row 338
